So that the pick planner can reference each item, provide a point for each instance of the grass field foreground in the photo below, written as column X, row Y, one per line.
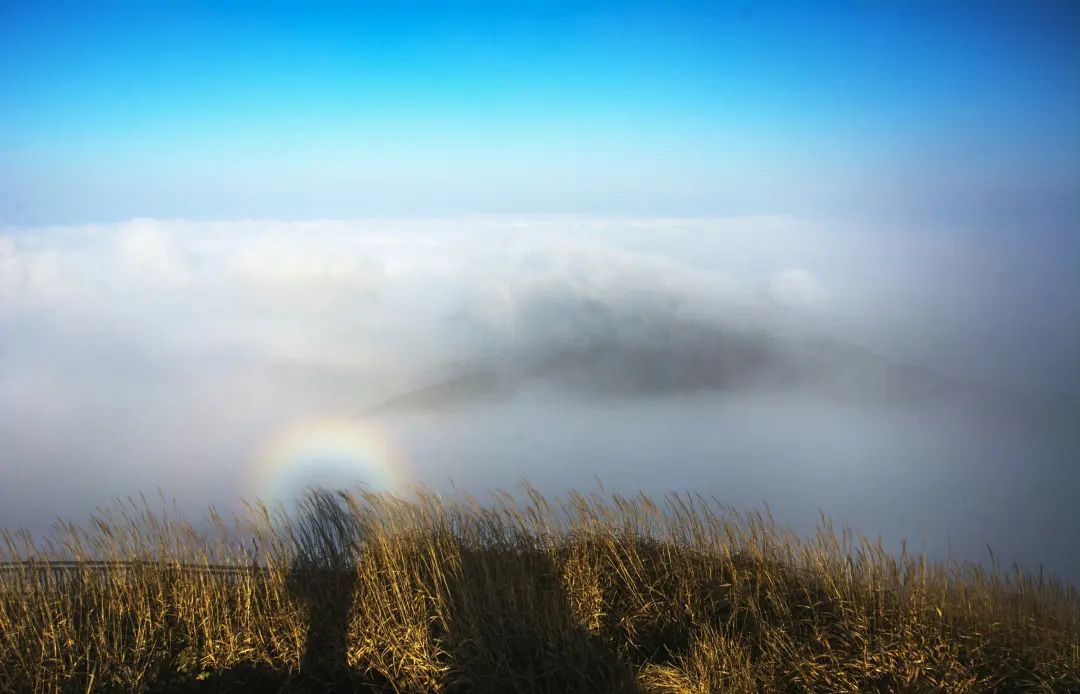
column 366, row 591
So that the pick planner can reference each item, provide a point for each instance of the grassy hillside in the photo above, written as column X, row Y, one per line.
column 365, row 591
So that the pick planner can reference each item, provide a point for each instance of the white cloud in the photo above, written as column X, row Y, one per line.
column 308, row 291
column 10, row 269
column 385, row 302
column 148, row 252
column 165, row 353
column 797, row 288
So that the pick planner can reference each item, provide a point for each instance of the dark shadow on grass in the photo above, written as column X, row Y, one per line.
column 322, row 578
column 509, row 625
column 511, row 628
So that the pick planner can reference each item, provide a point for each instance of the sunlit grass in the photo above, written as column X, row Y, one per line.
column 521, row 593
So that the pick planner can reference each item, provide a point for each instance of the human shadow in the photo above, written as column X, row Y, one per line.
column 325, row 536
column 506, row 621
column 511, row 627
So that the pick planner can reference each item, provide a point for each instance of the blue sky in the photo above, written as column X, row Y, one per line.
column 933, row 111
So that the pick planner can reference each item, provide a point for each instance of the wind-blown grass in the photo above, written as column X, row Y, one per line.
column 359, row 591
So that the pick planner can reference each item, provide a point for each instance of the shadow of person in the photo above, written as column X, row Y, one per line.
column 507, row 621
column 327, row 597
column 323, row 578
column 510, row 627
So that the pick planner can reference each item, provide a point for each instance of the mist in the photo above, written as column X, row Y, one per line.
column 913, row 383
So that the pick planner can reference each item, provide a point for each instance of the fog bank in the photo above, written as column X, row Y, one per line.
column 912, row 383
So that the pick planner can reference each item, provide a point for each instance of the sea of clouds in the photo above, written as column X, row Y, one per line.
column 758, row 359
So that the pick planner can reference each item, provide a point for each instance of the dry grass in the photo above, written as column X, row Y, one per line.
column 367, row 591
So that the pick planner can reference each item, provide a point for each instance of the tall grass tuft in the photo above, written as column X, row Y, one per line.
column 359, row 591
